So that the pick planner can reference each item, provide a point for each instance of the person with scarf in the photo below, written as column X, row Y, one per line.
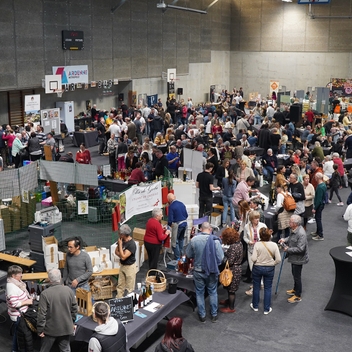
column 17, row 298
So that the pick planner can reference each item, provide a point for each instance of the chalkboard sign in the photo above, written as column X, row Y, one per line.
column 121, row 308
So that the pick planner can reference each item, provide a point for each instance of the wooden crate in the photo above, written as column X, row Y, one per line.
column 84, row 302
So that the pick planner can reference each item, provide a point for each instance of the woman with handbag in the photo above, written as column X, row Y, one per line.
column 17, row 298
column 233, row 256
column 265, row 256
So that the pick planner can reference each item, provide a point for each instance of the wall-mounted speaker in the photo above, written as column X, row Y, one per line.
column 121, row 97
column 179, row 91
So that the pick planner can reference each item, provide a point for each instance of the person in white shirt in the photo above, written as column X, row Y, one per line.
column 270, row 112
column 328, row 166
column 115, row 129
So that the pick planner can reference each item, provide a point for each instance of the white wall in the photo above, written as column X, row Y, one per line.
column 254, row 70
column 196, row 84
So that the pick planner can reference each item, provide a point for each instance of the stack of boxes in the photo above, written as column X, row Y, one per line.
column 5, row 216
column 139, row 256
column 100, row 257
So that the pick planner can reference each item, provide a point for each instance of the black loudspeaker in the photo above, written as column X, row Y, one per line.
column 121, row 97
column 179, row 91
column 296, row 113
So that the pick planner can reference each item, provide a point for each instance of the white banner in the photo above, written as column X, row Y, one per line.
column 72, row 74
column 140, row 199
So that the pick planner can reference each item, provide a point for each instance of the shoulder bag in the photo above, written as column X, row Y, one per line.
column 226, row 275
column 271, row 254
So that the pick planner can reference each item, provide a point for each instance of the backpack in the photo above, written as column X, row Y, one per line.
column 289, row 203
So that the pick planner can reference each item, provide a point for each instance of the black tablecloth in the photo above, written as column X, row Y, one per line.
column 83, row 122
column 139, row 326
column 88, row 138
column 185, row 283
column 341, row 297
column 254, row 150
column 113, row 185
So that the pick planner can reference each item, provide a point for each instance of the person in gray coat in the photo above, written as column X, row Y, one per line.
column 57, row 312
column 296, row 247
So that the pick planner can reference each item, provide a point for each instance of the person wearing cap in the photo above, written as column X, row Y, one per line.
column 126, row 251
column 110, row 334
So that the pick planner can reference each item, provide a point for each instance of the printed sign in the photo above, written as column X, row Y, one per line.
column 121, row 308
column 140, row 199
column 72, row 74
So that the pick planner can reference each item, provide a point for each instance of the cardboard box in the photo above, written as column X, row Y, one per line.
column 104, row 254
column 138, row 234
column 215, row 219
column 93, row 252
column 50, row 266
column 50, row 246
column 62, row 264
column 106, row 265
column 61, row 255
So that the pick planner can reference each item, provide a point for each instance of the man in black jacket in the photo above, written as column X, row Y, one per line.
column 161, row 164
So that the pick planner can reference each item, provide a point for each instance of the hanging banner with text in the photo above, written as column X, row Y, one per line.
column 140, row 199
column 72, row 74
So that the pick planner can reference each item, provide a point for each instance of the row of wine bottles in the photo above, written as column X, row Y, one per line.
column 35, row 290
column 143, row 296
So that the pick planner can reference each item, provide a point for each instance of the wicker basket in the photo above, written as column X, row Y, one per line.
column 151, row 279
column 101, row 290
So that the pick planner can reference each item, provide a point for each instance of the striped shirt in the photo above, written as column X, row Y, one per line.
column 14, row 298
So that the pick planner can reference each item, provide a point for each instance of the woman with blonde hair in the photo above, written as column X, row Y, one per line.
column 296, row 170
column 309, row 192
column 167, row 120
column 251, row 237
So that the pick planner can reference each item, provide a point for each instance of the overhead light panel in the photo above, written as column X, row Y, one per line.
column 161, row 5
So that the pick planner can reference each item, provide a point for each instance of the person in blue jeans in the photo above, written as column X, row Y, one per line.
column 208, row 254
column 265, row 256
column 177, row 220
column 229, row 185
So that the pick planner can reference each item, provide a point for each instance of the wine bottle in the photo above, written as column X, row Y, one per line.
column 27, row 287
column 157, row 278
column 184, row 176
column 151, row 289
column 32, row 292
column 38, row 293
column 144, row 297
column 140, row 300
column 147, row 295
column 135, row 303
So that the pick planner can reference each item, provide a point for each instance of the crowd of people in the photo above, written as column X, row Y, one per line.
column 144, row 141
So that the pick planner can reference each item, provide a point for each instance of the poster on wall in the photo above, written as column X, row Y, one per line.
column 72, row 74
column 152, row 100
column 140, row 199
column 50, row 120
column 32, row 107
column 142, row 99
column 342, row 86
column 274, row 87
